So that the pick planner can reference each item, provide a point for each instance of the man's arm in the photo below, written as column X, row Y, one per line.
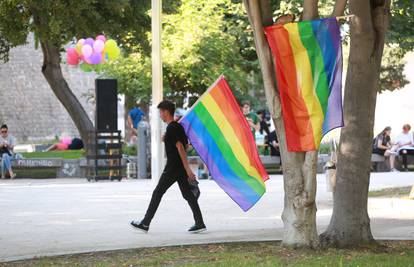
column 380, row 145
column 183, row 156
column 131, row 125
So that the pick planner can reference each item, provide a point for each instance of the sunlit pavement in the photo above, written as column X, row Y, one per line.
column 59, row 216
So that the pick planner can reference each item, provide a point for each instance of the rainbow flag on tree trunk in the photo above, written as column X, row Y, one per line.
column 308, row 58
column 220, row 134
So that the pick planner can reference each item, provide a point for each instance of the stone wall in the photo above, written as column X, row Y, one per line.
column 28, row 105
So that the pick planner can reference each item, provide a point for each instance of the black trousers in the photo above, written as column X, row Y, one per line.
column 404, row 153
column 165, row 182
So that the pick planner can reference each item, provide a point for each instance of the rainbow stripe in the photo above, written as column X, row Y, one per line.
column 308, row 58
column 220, row 134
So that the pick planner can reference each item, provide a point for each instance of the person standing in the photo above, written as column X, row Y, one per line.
column 135, row 115
column 251, row 118
column 177, row 170
column 7, row 144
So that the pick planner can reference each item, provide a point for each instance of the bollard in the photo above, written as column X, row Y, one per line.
column 142, row 150
column 131, row 170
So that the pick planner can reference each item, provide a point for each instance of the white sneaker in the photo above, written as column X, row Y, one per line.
column 394, row 170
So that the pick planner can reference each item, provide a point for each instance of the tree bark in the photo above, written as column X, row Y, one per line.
column 53, row 73
column 339, row 8
column 299, row 169
column 350, row 223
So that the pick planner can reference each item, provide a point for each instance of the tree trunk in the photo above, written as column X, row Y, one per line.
column 350, row 223
column 53, row 73
column 299, row 169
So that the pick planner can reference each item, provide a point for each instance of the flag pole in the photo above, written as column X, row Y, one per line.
column 157, row 152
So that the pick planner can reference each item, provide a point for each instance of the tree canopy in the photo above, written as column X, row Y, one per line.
column 62, row 21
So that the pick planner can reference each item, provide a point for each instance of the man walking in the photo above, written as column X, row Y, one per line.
column 177, row 169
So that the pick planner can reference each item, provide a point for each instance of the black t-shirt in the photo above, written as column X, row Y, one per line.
column 381, row 138
column 175, row 133
column 264, row 127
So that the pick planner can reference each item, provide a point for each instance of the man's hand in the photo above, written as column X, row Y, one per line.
column 191, row 175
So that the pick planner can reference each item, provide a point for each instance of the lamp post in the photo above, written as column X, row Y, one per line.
column 157, row 153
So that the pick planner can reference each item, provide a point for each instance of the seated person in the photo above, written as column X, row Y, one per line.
column 272, row 140
column 7, row 144
column 273, row 144
column 67, row 143
column 382, row 145
column 404, row 144
column 264, row 125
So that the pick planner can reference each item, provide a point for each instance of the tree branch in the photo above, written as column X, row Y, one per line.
column 339, row 8
column 254, row 12
column 310, row 9
column 266, row 12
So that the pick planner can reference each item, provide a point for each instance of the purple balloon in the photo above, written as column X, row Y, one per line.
column 96, row 58
column 89, row 41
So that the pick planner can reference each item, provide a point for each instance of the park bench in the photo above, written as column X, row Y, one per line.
column 36, row 168
column 378, row 163
column 272, row 164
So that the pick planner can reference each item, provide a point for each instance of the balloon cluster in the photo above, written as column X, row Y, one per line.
column 90, row 53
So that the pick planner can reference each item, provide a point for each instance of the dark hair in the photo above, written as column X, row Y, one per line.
column 244, row 103
column 167, row 105
column 388, row 128
column 262, row 111
column 4, row 126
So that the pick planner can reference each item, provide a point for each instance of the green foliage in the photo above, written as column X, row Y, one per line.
column 401, row 29
column 62, row 21
column 201, row 40
column 392, row 69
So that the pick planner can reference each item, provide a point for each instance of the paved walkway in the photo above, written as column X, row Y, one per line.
column 49, row 217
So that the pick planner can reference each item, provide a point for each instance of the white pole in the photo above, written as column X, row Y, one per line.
column 157, row 152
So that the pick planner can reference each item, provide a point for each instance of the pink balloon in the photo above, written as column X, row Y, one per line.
column 71, row 51
column 72, row 57
column 81, row 41
column 87, row 60
column 98, row 46
column 86, row 50
column 101, row 37
column 96, row 58
column 89, row 41
column 72, row 60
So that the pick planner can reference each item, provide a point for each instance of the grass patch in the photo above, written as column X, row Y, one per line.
column 68, row 154
column 238, row 254
column 36, row 173
column 391, row 192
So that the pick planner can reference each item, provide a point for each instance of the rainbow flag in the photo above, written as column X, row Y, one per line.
column 219, row 132
column 308, row 59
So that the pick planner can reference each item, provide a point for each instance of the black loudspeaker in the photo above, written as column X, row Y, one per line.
column 106, row 114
